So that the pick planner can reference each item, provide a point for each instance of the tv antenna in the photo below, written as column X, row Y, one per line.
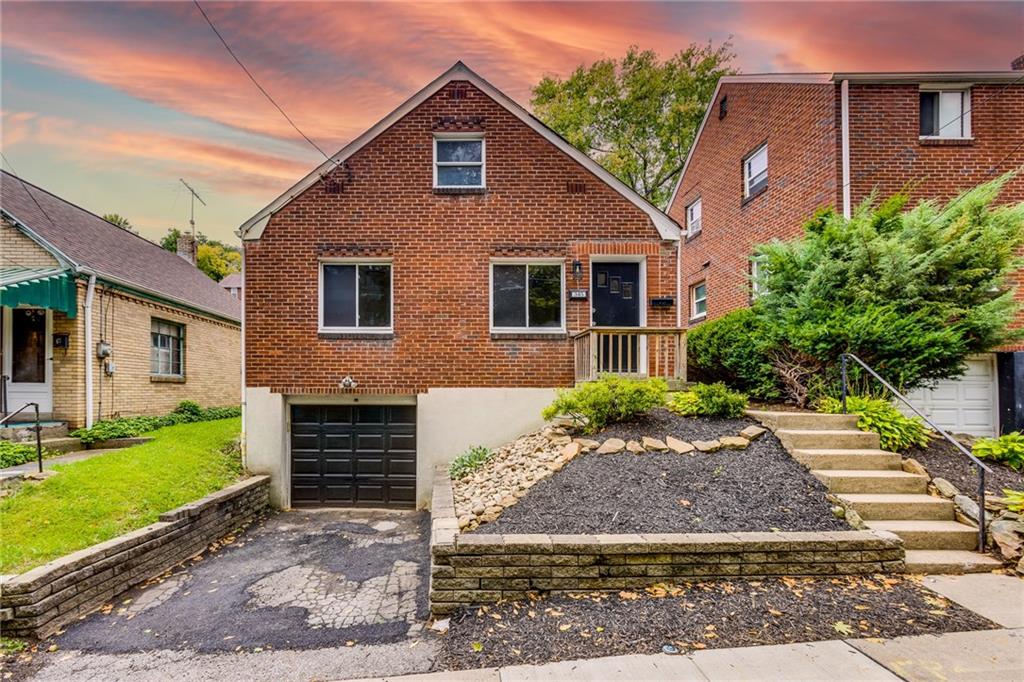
column 192, row 212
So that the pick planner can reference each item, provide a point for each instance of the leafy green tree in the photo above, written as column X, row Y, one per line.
column 119, row 220
column 213, row 257
column 637, row 116
column 911, row 293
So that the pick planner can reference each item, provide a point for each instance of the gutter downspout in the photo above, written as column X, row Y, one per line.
column 845, row 90
column 88, row 350
column 242, row 441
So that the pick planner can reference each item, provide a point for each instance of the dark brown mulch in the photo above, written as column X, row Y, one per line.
column 941, row 458
column 711, row 615
column 761, row 488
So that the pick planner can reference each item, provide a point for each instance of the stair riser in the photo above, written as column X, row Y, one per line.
column 932, row 568
column 797, row 421
column 850, row 462
column 904, row 511
column 967, row 540
column 874, row 484
column 812, row 440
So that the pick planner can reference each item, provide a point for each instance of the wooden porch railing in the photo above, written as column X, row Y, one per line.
column 630, row 351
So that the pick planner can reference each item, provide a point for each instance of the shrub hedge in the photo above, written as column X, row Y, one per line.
column 731, row 349
column 610, row 399
column 709, row 400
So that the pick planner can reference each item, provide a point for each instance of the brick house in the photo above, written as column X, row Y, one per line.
column 430, row 286
column 98, row 322
column 774, row 148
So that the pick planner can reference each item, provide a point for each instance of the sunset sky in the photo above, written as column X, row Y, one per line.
column 108, row 104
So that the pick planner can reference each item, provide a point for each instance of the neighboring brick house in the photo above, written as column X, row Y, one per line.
column 774, row 148
column 418, row 294
column 98, row 322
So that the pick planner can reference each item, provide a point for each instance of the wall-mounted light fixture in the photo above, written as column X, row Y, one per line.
column 577, row 270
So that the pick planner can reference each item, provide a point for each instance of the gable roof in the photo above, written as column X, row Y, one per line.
column 666, row 226
column 88, row 243
column 232, row 281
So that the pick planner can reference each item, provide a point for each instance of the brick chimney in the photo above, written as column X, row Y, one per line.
column 1018, row 63
column 187, row 247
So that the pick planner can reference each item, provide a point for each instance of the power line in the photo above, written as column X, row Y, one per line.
column 256, row 83
column 25, row 186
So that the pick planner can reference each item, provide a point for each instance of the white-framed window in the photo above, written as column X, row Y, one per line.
column 755, row 171
column 756, row 270
column 167, row 349
column 693, row 217
column 528, row 296
column 356, row 296
column 699, row 300
column 946, row 113
column 459, row 162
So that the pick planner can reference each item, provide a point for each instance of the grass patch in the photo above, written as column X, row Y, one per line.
column 100, row 498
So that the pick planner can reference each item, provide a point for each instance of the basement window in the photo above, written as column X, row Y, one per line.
column 459, row 162
column 526, row 296
column 355, row 297
column 946, row 114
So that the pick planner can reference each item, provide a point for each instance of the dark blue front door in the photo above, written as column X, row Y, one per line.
column 616, row 294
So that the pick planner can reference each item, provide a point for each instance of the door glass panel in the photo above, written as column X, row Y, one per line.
column 28, row 346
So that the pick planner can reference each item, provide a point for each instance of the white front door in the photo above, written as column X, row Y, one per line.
column 964, row 405
column 28, row 357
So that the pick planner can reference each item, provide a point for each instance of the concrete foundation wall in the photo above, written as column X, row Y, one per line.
column 266, row 444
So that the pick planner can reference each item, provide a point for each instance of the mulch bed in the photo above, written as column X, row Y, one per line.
column 761, row 488
column 941, row 458
column 706, row 615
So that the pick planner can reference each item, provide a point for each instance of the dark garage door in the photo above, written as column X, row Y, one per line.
column 353, row 455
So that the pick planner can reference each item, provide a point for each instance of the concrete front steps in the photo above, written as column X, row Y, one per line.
column 872, row 482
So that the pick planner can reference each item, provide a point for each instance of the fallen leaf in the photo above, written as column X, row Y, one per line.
column 563, row 628
column 842, row 628
column 477, row 647
column 628, row 596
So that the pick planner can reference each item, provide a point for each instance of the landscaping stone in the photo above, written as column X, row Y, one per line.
column 734, row 442
column 753, row 431
column 945, row 488
column 611, row 446
column 588, row 444
column 707, row 445
column 967, row 507
column 912, row 466
column 1006, row 535
column 677, row 445
column 570, row 450
column 635, row 447
column 653, row 444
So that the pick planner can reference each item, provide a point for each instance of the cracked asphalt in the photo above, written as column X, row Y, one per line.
column 302, row 595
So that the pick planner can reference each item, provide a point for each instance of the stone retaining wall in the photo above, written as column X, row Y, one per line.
column 473, row 569
column 40, row 601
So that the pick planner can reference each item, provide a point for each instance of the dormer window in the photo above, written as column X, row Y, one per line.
column 459, row 162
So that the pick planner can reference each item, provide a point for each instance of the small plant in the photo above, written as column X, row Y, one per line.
column 610, row 399
column 190, row 410
column 1008, row 449
column 469, row 461
column 1014, row 500
column 13, row 454
column 897, row 432
column 186, row 412
column 10, row 645
column 709, row 400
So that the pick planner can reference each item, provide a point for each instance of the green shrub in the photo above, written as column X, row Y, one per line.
column 13, row 454
column 469, row 461
column 731, row 349
column 610, row 399
column 709, row 400
column 896, row 431
column 1008, row 449
column 1014, row 500
column 186, row 412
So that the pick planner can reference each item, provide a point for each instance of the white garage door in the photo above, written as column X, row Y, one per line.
column 964, row 405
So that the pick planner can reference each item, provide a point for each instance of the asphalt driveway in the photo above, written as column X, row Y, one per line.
column 300, row 595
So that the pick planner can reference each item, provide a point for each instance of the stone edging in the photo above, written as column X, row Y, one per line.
column 40, row 601
column 474, row 569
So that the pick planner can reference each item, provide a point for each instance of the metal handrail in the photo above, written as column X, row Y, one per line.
column 982, row 467
column 38, row 429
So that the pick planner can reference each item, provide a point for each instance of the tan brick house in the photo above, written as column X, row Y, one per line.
column 430, row 286
column 773, row 148
column 98, row 322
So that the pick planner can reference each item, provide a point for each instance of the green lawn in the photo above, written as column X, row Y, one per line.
column 96, row 499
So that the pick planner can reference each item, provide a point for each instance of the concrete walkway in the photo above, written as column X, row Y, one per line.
column 988, row 655
column 33, row 466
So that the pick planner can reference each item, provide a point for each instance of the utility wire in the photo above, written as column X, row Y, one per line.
column 257, row 84
column 25, row 186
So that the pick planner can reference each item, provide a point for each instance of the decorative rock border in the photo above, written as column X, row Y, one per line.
column 475, row 569
column 39, row 602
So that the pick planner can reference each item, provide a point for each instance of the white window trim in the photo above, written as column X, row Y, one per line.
column 746, row 167
column 693, row 300
column 525, row 261
column 690, row 232
column 755, row 271
column 369, row 331
column 452, row 137
column 965, row 109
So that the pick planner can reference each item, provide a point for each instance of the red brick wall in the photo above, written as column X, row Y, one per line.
column 797, row 121
column 441, row 246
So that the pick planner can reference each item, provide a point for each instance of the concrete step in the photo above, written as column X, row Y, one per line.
column 949, row 561
column 22, row 432
column 898, row 507
column 860, row 459
column 931, row 534
column 65, row 444
column 803, row 420
column 871, row 481
column 834, row 439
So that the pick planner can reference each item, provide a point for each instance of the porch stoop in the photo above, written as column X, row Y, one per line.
column 871, row 481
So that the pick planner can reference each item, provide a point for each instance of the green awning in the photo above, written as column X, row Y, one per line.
column 44, row 288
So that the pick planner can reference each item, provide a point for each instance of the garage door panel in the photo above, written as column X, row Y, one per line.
column 401, row 466
column 402, row 414
column 399, row 442
column 338, row 441
column 370, row 442
column 339, row 494
column 369, row 493
column 963, row 405
column 337, row 414
column 370, row 414
column 302, row 492
column 403, row 495
column 370, row 466
column 339, row 466
column 305, row 414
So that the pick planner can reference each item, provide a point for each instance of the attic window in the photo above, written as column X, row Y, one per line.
column 459, row 162
column 723, row 107
column 458, row 93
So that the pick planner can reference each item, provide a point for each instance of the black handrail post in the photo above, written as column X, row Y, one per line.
column 39, row 439
column 981, row 510
column 843, row 359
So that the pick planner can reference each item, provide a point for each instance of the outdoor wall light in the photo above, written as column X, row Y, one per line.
column 577, row 270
